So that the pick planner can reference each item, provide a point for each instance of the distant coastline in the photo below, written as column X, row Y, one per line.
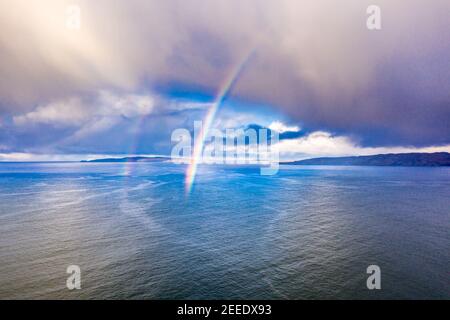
column 131, row 159
column 437, row 159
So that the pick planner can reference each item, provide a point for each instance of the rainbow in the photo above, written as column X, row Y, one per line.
column 199, row 142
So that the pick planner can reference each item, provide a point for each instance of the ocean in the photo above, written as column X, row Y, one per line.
column 309, row 232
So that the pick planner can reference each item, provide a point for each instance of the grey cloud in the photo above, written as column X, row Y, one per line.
column 314, row 59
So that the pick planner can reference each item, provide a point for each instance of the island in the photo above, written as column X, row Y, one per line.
column 131, row 159
column 436, row 159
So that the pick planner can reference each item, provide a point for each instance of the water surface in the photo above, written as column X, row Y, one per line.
column 306, row 233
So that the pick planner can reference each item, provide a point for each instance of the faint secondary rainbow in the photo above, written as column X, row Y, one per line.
column 128, row 166
column 199, row 142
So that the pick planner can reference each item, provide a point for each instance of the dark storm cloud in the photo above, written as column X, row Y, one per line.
column 314, row 60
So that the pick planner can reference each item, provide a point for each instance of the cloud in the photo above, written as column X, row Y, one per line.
column 24, row 157
column 234, row 119
column 69, row 112
column 104, row 122
column 324, row 144
column 76, row 111
column 314, row 60
column 282, row 128
column 119, row 136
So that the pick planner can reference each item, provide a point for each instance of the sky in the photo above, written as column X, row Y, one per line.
column 131, row 72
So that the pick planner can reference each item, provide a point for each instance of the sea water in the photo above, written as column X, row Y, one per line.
column 308, row 232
